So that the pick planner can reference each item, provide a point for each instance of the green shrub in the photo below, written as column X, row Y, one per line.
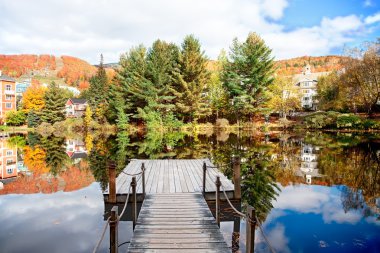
column 348, row 121
column 370, row 124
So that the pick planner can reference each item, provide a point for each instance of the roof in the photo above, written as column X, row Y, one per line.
column 78, row 155
column 7, row 78
column 78, row 100
column 309, row 77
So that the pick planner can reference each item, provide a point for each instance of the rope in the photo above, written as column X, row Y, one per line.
column 132, row 175
column 101, row 238
column 229, row 202
column 125, row 205
column 262, row 232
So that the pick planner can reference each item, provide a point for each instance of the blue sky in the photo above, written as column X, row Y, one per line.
column 86, row 28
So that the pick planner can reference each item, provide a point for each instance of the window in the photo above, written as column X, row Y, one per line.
column 10, row 171
column 8, row 97
column 9, row 161
column 306, row 98
column 8, row 105
column 306, row 91
column 306, row 84
column 9, row 152
column 8, row 87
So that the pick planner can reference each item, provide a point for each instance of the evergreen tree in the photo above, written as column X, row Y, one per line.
column 55, row 99
column 32, row 119
column 247, row 74
column 97, row 92
column 56, row 157
column 191, row 80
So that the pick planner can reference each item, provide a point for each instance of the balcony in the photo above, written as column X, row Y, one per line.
column 9, row 92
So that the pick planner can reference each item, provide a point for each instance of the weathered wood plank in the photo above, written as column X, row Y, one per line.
column 177, row 221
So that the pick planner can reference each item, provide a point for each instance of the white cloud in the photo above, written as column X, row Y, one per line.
column 88, row 28
column 373, row 19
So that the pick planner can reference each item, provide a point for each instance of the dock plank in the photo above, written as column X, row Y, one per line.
column 179, row 222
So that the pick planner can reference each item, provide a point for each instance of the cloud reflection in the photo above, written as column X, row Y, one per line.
column 59, row 222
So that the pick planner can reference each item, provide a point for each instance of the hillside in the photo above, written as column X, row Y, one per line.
column 317, row 63
column 47, row 68
column 77, row 72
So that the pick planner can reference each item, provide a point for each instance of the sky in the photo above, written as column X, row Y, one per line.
column 87, row 28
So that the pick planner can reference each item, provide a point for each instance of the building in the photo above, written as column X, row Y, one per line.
column 75, row 107
column 7, row 95
column 307, row 82
column 8, row 160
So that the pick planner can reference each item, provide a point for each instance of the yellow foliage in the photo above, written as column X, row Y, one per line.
column 33, row 98
column 34, row 159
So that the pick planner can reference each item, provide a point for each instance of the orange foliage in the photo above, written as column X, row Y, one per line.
column 76, row 179
column 75, row 69
column 34, row 160
column 83, row 85
column 17, row 65
column 33, row 98
column 318, row 64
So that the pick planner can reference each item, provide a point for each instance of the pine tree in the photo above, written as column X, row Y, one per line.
column 191, row 80
column 97, row 91
column 247, row 74
column 32, row 119
column 55, row 99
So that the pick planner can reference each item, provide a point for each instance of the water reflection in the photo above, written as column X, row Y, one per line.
column 312, row 191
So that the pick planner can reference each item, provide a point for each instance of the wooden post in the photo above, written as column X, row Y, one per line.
column 114, row 230
column 217, row 198
column 251, row 225
column 237, row 178
column 112, row 182
column 204, row 178
column 143, row 178
column 134, row 203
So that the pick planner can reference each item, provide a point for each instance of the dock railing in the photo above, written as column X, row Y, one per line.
column 250, row 216
column 114, row 218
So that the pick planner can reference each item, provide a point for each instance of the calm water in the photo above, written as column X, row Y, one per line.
column 314, row 192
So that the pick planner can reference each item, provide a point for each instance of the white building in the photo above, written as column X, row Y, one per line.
column 309, row 163
column 307, row 82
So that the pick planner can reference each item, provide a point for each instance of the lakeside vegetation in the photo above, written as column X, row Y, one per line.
column 168, row 87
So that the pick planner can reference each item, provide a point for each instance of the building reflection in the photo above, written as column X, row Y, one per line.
column 76, row 150
column 309, row 163
column 8, row 160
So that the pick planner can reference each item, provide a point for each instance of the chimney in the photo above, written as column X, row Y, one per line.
column 1, row 73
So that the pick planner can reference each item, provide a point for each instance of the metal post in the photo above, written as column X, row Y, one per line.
column 217, row 197
column 204, row 178
column 114, row 230
column 143, row 178
column 251, row 225
column 237, row 178
column 134, row 203
column 112, row 182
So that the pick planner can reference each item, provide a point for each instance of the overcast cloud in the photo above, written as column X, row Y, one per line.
column 87, row 28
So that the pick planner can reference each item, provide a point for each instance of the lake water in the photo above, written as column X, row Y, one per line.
column 313, row 192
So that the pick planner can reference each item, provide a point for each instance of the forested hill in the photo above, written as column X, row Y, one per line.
column 76, row 72
column 317, row 63
column 46, row 68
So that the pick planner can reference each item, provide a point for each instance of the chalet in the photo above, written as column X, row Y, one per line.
column 75, row 107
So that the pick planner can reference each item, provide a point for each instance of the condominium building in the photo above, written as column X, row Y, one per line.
column 7, row 95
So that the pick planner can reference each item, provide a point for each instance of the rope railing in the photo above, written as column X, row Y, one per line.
column 252, row 219
column 114, row 219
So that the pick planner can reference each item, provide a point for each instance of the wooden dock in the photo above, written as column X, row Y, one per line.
column 176, row 222
column 170, row 176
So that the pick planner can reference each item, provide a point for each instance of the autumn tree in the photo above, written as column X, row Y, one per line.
column 247, row 74
column 33, row 98
column 332, row 93
column 284, row 96
column 362, row 76
column 192, row 78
